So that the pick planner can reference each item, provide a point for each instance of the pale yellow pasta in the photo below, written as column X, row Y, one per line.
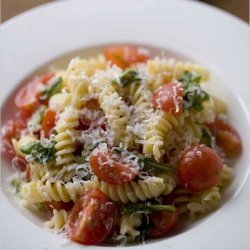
column 129, row 223
column 58, row 220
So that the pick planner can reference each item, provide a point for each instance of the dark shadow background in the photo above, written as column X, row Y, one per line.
column 10, row 8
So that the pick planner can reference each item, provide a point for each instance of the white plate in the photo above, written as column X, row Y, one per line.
column 186, row 28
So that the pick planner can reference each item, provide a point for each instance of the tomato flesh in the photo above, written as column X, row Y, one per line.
column 199, row 168
column 125, row 55
column 227, row 138
column 28, row 96
column 11, row 129
column 91, row 219
column 107, row 168
column 48, row 123
column 60, row 205
column 163, row 222
column 169, row 98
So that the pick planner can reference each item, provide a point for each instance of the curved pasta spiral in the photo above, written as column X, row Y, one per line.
column 226, row 176
column 116, row 111
column 128, row 224
column 58, row 219
column 157, row 133
column 60, row 101
column 65, row 144
column 165, row 71
column 38, row 191
column 132, row 191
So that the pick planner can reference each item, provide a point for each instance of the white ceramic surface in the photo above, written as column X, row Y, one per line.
column 185, row 29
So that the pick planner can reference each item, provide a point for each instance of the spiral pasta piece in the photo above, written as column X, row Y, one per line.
column 132, row 191
column 129, row 223
column 65, row 142
column 58, row 220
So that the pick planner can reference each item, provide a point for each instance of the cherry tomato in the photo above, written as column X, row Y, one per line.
column 169, row 98
column 27, row 173
column 28, row 96
column 91, row 218
column 60, row 205
column 11, row 129
column 199, row 168
column 125, row 55
column 48, row 122
column 163, row 222
column 84, row 123
column 107, row 168
column 227, row 138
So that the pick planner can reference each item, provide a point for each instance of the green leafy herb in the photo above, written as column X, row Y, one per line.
column 206, row 137
column 52, row 89
column 145, row 228
column 17, row 184
column 41, row 207
column 152, row 166
column 146, row 208
column 194, row 95
column 41, row 153
column 128, row 76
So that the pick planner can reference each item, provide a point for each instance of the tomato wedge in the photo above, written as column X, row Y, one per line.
column 227, row 138
column 163, row 222
column 11, row 129
column 91, row 219
column 107, row 168
column 125, row 55
column 28, row 96
column 169, row 98
column 199, row 168
column 48, row 123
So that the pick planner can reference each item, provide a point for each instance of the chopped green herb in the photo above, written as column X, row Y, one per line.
column 17, row 184
column 40, row 153
column 40, row 207
column 52, row 89
column 128, row 76
column 152, row 166
column 145, row 228
column 194, row 95
column 34, row 124
column 206, row 137
column 146, row 208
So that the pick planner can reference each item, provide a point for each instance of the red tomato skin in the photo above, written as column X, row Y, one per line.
column 163, row 223
column 227, row 138
column 167, row 97
column 48, row 123
column 115, row 174
column 11, row 129
column 199, row 168
column 60, row 205
column 125, row 55
column 91, row 219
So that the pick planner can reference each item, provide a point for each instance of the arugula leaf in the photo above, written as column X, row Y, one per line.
column 146, row 208
column 17, row 184
column 206, row 137
column 194, row 95
column 52, row 89
column 145, row 228
column 152, row 166
column 128, row 76
column 40, row 152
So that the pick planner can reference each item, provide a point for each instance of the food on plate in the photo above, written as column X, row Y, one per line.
column 120, row 147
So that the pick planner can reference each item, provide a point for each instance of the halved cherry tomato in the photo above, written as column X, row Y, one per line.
column 60, row 205
column 84, row 123
column 163, row 222
column 125, row 55
column 11, row 129
column 48, row 122
column 227, row 138
column 27, row 173
column 199, row 168
column 28, row 96
column 169, row 98
column 107, row 168
column 91, row 218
